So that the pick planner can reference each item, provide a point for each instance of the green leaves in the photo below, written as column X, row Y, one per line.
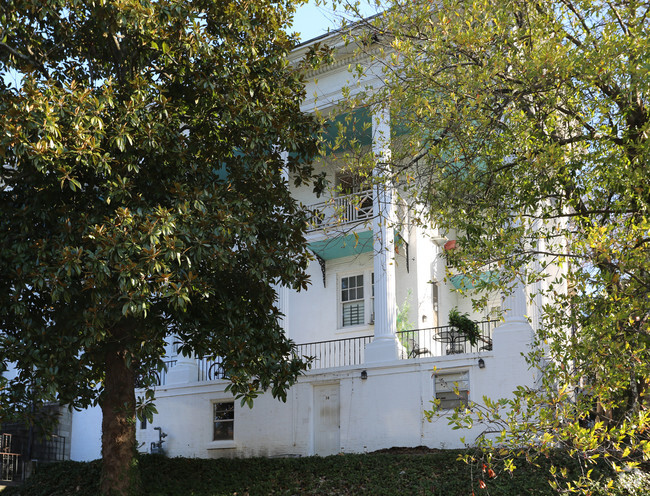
column 525, row 138
column 112, row 214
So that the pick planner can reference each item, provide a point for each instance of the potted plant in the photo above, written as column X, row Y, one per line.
column 464, row 325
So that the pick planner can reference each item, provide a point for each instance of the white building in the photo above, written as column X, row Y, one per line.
column 369, row 385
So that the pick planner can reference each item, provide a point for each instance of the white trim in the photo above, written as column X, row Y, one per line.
column 214, row 445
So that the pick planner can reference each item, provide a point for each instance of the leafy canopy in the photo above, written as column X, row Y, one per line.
column 142, row 193
column 523, row 128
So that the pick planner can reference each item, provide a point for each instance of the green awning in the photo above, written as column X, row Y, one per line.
column 349, row 128
column 461, row 281
column 343, row 246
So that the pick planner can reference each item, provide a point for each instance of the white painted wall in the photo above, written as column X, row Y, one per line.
column 86, row 435
column 382, row 411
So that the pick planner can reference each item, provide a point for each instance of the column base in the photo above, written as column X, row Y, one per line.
column 183, row 373
column 383, row 349
column 512, row 338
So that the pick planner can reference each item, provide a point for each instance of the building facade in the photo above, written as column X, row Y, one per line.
column 374, row 322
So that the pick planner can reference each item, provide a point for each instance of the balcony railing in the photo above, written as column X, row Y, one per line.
column 210, row 370
column 341, row 210
column 9, row 462
column 431, row 342
column 335, row 353
column 9, row 467
column 445, row 340
column 154, row 377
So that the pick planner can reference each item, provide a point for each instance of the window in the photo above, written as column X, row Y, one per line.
column 352, row 301
column 435, row 301
column 224, row 421
column 357, row 299
column 452, row 390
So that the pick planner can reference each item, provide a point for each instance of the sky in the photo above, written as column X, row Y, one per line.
column 312, row 21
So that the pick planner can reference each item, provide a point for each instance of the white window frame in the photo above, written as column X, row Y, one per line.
column 368, row 299
column 445, row 385
column 219, row 404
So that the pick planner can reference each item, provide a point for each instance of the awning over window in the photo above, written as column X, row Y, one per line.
column 461, row 281
column 343, row 246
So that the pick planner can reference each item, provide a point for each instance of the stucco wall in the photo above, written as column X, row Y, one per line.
column 384, row 410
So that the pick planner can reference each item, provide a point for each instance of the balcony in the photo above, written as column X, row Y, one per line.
column 445, row 340
column 337, row 353
column 341, row 210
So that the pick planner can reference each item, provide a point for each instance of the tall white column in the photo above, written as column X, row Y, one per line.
column 511, row 342
column 385, row 346
column 283, row 291
column 514, row 336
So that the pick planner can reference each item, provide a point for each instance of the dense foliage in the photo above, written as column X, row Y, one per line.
column 410, row 472
column 523, row 129
column 143, row 195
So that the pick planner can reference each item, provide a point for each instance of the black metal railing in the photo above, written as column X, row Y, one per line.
column 154, row 377
column 430, row 342
column 445, row 340
column 335, row 353
column 210, row 369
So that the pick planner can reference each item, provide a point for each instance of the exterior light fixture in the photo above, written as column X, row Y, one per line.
column 364, row 374
column 481, row 363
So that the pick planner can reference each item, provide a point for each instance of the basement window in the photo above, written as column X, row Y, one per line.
column 223, row 421
column 452, row 390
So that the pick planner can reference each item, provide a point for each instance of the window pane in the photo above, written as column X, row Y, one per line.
column 452, row 400
column 344, row 283
column 223, row 430
column 224, row 411
column 223, row 423
column 452, row 389
column 353, row 313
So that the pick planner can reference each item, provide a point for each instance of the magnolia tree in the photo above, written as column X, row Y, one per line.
column 523, row 127
column 143, row 194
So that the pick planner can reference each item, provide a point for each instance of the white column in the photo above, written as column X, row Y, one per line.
column 283, row 291
column 185, row 371
column 385, row 346
column 514, row 304
column 514, row 336
column 511, row 342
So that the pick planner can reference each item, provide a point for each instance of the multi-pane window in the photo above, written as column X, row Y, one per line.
column 224, row 421
column 452, row 390
column 352, row 300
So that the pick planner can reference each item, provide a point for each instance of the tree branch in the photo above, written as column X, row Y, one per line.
column 38, row 65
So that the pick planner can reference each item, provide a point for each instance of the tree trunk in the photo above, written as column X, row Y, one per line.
column 120, row 475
